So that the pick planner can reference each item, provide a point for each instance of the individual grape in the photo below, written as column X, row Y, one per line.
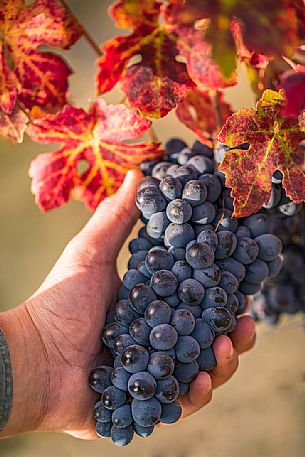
column 289, row 209
column 139, row 244
column 242, row 232
column 159, row 259
column 191, row 292
column 146, row 412
column 184, row 387
column 171, row 188
column 246, row 251
column 274, row 267
column 232, row 304
column 120, row 378
column 113, row 398
column 160, row 169
column 147, row 166
column 158, row 312
column 182, row 270
column 122, row 416
column 142, row 385
column 148, row 181
column 220, row 151
column 248, row 288
column 163, row 337
column 219, row 319
column 186, row 372
column 208, row 277
column 123, row 313
column 171, row 171
column 214, row 297
column 135, row 259
column 171, row 413
column 206, row 359
column 269, row 245
column 183, row 321
column 156, row 225
column 143, row 270
column 257, row 272
column 202, row 164
column 172, row 300
column 121, row 436
column 164, row 283
column 143, row 432
column 143, row 234
column 195, row 310
column 227, row 243
column 204, row 213
column 117, row 362
column 199, row 255
column 228, row 282
column 277, row 177
column 194, row 192
column 161, row 365
column 133, row 277
column 177, row 253
column 179, row 235
column 187, row 349
column 186, row 173
column 103, row 429
column 149, row 200
column 201, row 228
column 200, row 148
column 140, row 297
column 135, row 358
column 173, row 145
column 227, row 201
column 213, row 186
column 100, row 413
column 208, row 237
column 122, row 342
column 111, row 331
column 179, row 211
column 203, row 333
column 184, row 155
column 258, row 224
column 140, row 330
column 232, row 265
column 242, row 302
column 167, row 390
column 225, row 221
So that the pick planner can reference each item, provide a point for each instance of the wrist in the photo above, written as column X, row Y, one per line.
column 30, row 372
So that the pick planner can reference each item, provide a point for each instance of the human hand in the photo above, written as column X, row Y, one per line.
column 54, row 337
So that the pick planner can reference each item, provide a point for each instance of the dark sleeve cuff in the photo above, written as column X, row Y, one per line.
column 6, row 382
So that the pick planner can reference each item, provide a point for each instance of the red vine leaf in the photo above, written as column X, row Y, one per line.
column 159, row 82
column 198, row 113
column 274, row 145
column 93, row 139
column 37, row 77
column 293, row 83
column 13, row 125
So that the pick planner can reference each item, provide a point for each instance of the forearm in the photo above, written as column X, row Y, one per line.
column 29, row 369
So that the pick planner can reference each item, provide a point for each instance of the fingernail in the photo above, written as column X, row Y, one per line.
column 230, row 352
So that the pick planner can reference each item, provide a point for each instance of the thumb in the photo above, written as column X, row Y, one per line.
column 107, row 230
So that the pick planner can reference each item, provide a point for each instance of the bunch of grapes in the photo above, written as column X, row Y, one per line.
column 190, row 270
column 285, row 293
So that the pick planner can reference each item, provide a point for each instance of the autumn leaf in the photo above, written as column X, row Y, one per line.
column 13, row 125
column 159, row 82
column 293, row 83
column 93, row 157
column 34, row 76
column 197, row 111
column 274, row 145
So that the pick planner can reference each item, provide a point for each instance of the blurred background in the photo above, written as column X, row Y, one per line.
column 260, row 412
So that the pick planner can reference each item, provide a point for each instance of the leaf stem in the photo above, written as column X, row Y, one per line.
column 84, row 31
column 25, row 111
column 216, row 105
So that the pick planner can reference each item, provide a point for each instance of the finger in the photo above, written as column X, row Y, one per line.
column 243, row 336
column 113, row 220
column 199, row 395
column 227, row 361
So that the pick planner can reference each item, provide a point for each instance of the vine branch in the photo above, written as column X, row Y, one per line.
column 85, row 32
